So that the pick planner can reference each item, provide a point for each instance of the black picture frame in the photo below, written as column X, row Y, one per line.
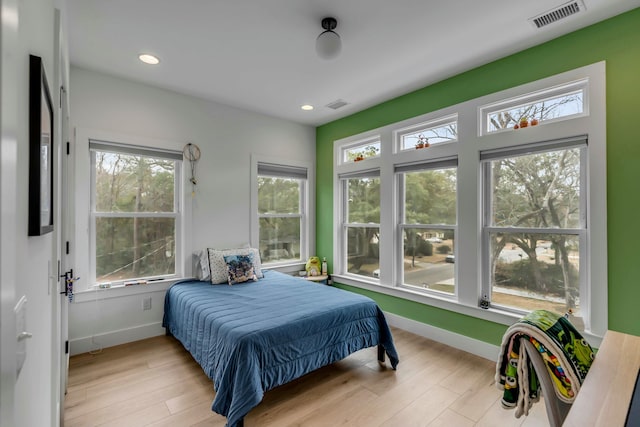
column 41, row 142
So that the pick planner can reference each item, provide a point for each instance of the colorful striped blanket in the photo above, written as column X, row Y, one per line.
column 566, row 354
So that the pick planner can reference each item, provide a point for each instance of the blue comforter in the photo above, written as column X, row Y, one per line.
column 252, row 337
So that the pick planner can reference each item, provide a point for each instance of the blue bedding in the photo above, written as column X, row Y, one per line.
column 252, row 337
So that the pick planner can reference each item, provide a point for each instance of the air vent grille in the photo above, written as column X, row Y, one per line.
column 557, row 14
column 337, row 104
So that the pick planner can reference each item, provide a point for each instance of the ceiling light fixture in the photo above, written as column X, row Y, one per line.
column 307, row 107
column 328, row 43
column 148, row 59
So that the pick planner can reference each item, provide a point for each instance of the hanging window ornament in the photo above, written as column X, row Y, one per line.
column 191, row 153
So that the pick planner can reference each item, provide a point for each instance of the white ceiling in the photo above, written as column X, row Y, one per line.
column 260, row 54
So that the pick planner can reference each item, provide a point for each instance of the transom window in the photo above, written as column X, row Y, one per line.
column 134, row 212
column 545, row 106
column 426, row 134
column 361, row 150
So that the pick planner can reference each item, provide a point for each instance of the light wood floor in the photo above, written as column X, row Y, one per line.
column 156, row 382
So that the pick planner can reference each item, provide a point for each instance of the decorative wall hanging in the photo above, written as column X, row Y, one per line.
column 40, row 150
column 191, row 153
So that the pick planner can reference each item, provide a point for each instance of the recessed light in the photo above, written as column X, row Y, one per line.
column 148, row 59
column 307, row 107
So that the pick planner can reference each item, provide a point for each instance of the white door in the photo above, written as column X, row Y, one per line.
column 8, row 219
column 62, row 241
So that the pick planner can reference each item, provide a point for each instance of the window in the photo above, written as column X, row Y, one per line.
column 282, row 219
column 361, row 223
column 427, row 224
column 134, row 212
column 361, row 150
column 514, row 216
column 545, row 106
column 535, row 226
column 427, row 134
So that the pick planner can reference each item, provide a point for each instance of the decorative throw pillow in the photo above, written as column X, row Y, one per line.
column 218, row 267
column 240, row 268
column 201, row 268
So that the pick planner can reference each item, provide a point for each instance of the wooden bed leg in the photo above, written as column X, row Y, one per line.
column 380, row 353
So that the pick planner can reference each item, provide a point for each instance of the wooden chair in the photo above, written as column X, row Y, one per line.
column 556, row 409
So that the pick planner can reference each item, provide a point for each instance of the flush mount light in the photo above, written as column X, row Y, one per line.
column 328, row 43
column 148, row 59
column 307, row 107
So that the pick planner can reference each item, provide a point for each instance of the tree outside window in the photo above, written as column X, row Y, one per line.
column 134, row 213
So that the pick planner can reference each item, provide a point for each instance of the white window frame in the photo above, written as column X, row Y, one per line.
column 472, row 140
column 361, row 143
column 580, row 85
column 423, row 127
column 400, row 169
column 345, row 225
column 81, row 252
column 581, row 232
column 307, row 208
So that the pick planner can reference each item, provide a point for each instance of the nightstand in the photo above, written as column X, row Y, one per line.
column 323, row 280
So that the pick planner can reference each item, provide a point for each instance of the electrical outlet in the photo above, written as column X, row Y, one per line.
column 146, row 303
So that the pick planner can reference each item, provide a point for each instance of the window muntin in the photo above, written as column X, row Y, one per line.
column 280, row 218
column 134, row 200
column 534, row 226
column 560, row 103
column 428, row 207
column 361, row 225
column 361, row 150
column 427, row 134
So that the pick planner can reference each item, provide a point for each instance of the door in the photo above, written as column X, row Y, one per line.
column 8, row 219
column 62, row 241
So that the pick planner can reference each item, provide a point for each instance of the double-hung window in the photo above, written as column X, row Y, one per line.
column 535, row 225
column 361, row 222
column 135, row 212
column 427, row 226
column 282, row 213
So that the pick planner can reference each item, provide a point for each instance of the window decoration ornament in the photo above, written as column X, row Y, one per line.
column 191, row 153
column 328, row 43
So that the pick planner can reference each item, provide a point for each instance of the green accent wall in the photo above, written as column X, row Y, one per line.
column 616, row 41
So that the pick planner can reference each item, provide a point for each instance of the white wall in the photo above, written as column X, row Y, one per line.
column 220, row 211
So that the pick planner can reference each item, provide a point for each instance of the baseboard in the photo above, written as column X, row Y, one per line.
column 123, row 336
column 462, row 342
column 111, row 338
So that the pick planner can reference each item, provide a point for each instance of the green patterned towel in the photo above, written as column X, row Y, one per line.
column 566, row 354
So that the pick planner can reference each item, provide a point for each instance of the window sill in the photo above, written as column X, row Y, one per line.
column 120, row 291
column 491, row 314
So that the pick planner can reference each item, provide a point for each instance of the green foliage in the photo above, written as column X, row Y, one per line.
column 279, row 207
column 131, row 246
column 444, row 249
column 414, row 245
column 518, row 275
column 430, row 197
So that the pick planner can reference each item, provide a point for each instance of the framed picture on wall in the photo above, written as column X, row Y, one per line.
column 40, row 150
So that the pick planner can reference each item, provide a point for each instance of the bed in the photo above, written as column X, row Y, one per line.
column 252, row 337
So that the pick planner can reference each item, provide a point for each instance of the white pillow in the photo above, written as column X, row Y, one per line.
column 201, row 270
column 218, row 267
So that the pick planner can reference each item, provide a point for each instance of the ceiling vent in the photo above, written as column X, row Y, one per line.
column 558, row 13
column 337, row 104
